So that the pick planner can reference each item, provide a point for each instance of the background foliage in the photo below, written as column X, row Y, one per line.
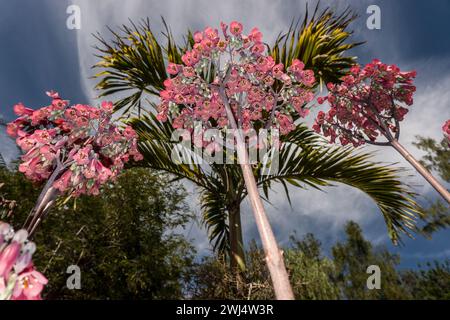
column 124, row 243
column 122, row 240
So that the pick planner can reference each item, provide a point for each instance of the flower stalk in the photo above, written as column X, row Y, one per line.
column 273, row 256
column 421, row 169
column 369, row 104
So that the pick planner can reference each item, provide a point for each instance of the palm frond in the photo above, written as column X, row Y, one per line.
column 216, row 186
column 226, row 189
column 214, row 209
column 319, row 165
column 156, row 146
column 133, row 64
column 320, row 41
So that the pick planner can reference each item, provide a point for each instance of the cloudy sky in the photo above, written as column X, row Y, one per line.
column 39, row 53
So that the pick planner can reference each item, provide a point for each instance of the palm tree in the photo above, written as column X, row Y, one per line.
column 133, row 65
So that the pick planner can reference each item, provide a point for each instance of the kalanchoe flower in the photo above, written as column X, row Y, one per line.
column 368, row 104
column 21, row 110
column 236, row 28
column 74, row 149
column 70, row 138
column 446, row 129
column 19, row 280
column 250, row 77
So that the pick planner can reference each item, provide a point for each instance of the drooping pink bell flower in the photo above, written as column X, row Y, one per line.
column 236, row 28
column 19, row 280
column 8, row 257
column 21, row 110
column 29, row 285
column 446, row 129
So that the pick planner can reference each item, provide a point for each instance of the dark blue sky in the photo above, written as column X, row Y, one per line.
column 39, row 53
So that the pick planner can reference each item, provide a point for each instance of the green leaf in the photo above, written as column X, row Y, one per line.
column 311, row 163
column 320, row 42
column 134, row 62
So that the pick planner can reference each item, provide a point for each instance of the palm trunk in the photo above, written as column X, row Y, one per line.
column 237, row 254
column 422, row 170
column 274, row 258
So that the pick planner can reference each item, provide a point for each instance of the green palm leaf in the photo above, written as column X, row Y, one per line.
column 156, row 146
column 320, row 41
column 214, row 205
column 218, row 184
column 133, row 64
column 306, row 164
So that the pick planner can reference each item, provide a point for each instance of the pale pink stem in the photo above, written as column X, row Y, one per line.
column 274, row 258
column 44, row 202
column 422, row 170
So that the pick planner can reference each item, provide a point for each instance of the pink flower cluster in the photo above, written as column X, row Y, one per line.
column 446, row 129
column 18, row 278
column 249, row 76
column 369, row 103
column 78, row 143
